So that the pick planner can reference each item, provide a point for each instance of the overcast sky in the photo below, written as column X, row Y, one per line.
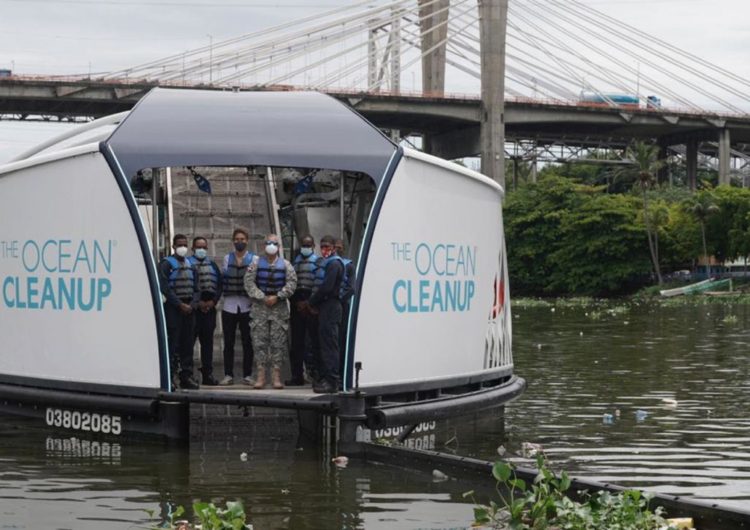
column 78, row 36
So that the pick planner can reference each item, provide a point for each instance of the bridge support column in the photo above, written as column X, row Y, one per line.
column 664, row 172
column 433, row 15
column 691, row 163
column 493, row 16
column 725, row 151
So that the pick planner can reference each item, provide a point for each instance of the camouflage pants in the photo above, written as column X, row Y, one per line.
column 270, row 341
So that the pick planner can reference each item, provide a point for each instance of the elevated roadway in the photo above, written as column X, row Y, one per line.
column 452, row 123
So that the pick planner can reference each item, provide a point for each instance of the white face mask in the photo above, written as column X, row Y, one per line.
column 271, row 250
column 181, row 251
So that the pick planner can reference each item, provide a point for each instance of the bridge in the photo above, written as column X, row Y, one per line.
column 550, row 90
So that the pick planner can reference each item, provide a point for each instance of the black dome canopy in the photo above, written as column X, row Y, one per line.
column 176, row 127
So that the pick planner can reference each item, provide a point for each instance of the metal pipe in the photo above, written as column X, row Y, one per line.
column 155, row 182
column 444, row 407
column 341, row 205
column 79, row 400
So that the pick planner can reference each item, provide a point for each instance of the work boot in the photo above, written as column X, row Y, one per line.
column 188, row 383
column 208, row 379
column 276, row 378
column 260, row 381
column 323, row 387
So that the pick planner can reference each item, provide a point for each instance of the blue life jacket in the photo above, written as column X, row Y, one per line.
column 181, row 278
column 208, row 276
column 320, row 272
column 306, row 268
column 271, row 278
column 234, row 275
column 346, row 281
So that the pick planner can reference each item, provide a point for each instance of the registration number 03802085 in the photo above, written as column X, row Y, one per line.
column 83, row 421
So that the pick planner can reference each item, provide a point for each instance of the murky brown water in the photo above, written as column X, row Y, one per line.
column 685, row 369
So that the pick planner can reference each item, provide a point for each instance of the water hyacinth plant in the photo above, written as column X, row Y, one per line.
column 545, row 505
column 209, row 517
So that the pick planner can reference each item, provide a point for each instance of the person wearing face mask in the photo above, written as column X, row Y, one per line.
column 235, row 312
column 348, row 290
column 301, row 320
column 209, row 292
column 177, row 282
column 270, row 281
column 326, row 301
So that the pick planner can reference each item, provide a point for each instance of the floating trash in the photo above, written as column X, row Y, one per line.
column 530, row 450
column 285, row 491
column 640, row 415
column 501, row 450
column 617, row 413
column 438, row 475
column 340, row 461
column 608, row 419
column 243, row 457
column 669, row 402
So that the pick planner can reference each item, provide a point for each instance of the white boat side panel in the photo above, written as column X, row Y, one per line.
column 429, row 302
column 453, row 167
column 75, row 303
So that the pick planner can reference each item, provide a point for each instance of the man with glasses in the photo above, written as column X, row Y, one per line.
column 270, row 281
column 236, row 310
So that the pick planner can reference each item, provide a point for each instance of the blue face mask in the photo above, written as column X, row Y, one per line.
column 306, row 251
column 200, row 253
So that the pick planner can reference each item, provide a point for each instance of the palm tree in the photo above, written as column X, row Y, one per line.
column 643, row 167
column 701, row 207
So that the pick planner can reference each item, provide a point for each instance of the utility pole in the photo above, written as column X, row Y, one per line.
column 493, row 17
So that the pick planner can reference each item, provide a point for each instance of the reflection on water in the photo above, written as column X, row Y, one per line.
column 677, row 376
column 50, row 480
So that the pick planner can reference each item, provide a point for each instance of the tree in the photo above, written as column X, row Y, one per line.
column 643, row 167
column 701, row 206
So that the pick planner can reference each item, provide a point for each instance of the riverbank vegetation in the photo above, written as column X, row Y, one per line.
column 592, row 231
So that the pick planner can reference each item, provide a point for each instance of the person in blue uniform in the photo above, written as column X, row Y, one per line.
column 326, row 302
column 235, row 312
column 208, row 277
column 302, row 322
column 348, row 290
column 177, row 282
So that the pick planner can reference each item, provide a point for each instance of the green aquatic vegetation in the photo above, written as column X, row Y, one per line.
column 545, row 504
column 209, row 517
column 530, row 303
column 702, row 300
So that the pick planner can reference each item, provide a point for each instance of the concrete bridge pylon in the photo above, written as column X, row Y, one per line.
column 493, row 17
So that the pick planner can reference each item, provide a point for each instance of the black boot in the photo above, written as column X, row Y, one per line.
column 207, row 378
column 188, row 383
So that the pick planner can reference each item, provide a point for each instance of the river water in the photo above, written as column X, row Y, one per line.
column 678, row 376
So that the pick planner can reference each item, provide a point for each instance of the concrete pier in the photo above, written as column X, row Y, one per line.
column 493, row 16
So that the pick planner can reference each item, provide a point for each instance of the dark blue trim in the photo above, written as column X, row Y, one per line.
column 153, row 281
column 348, row 371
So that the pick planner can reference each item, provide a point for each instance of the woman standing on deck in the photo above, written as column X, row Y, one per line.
column 270, row 281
